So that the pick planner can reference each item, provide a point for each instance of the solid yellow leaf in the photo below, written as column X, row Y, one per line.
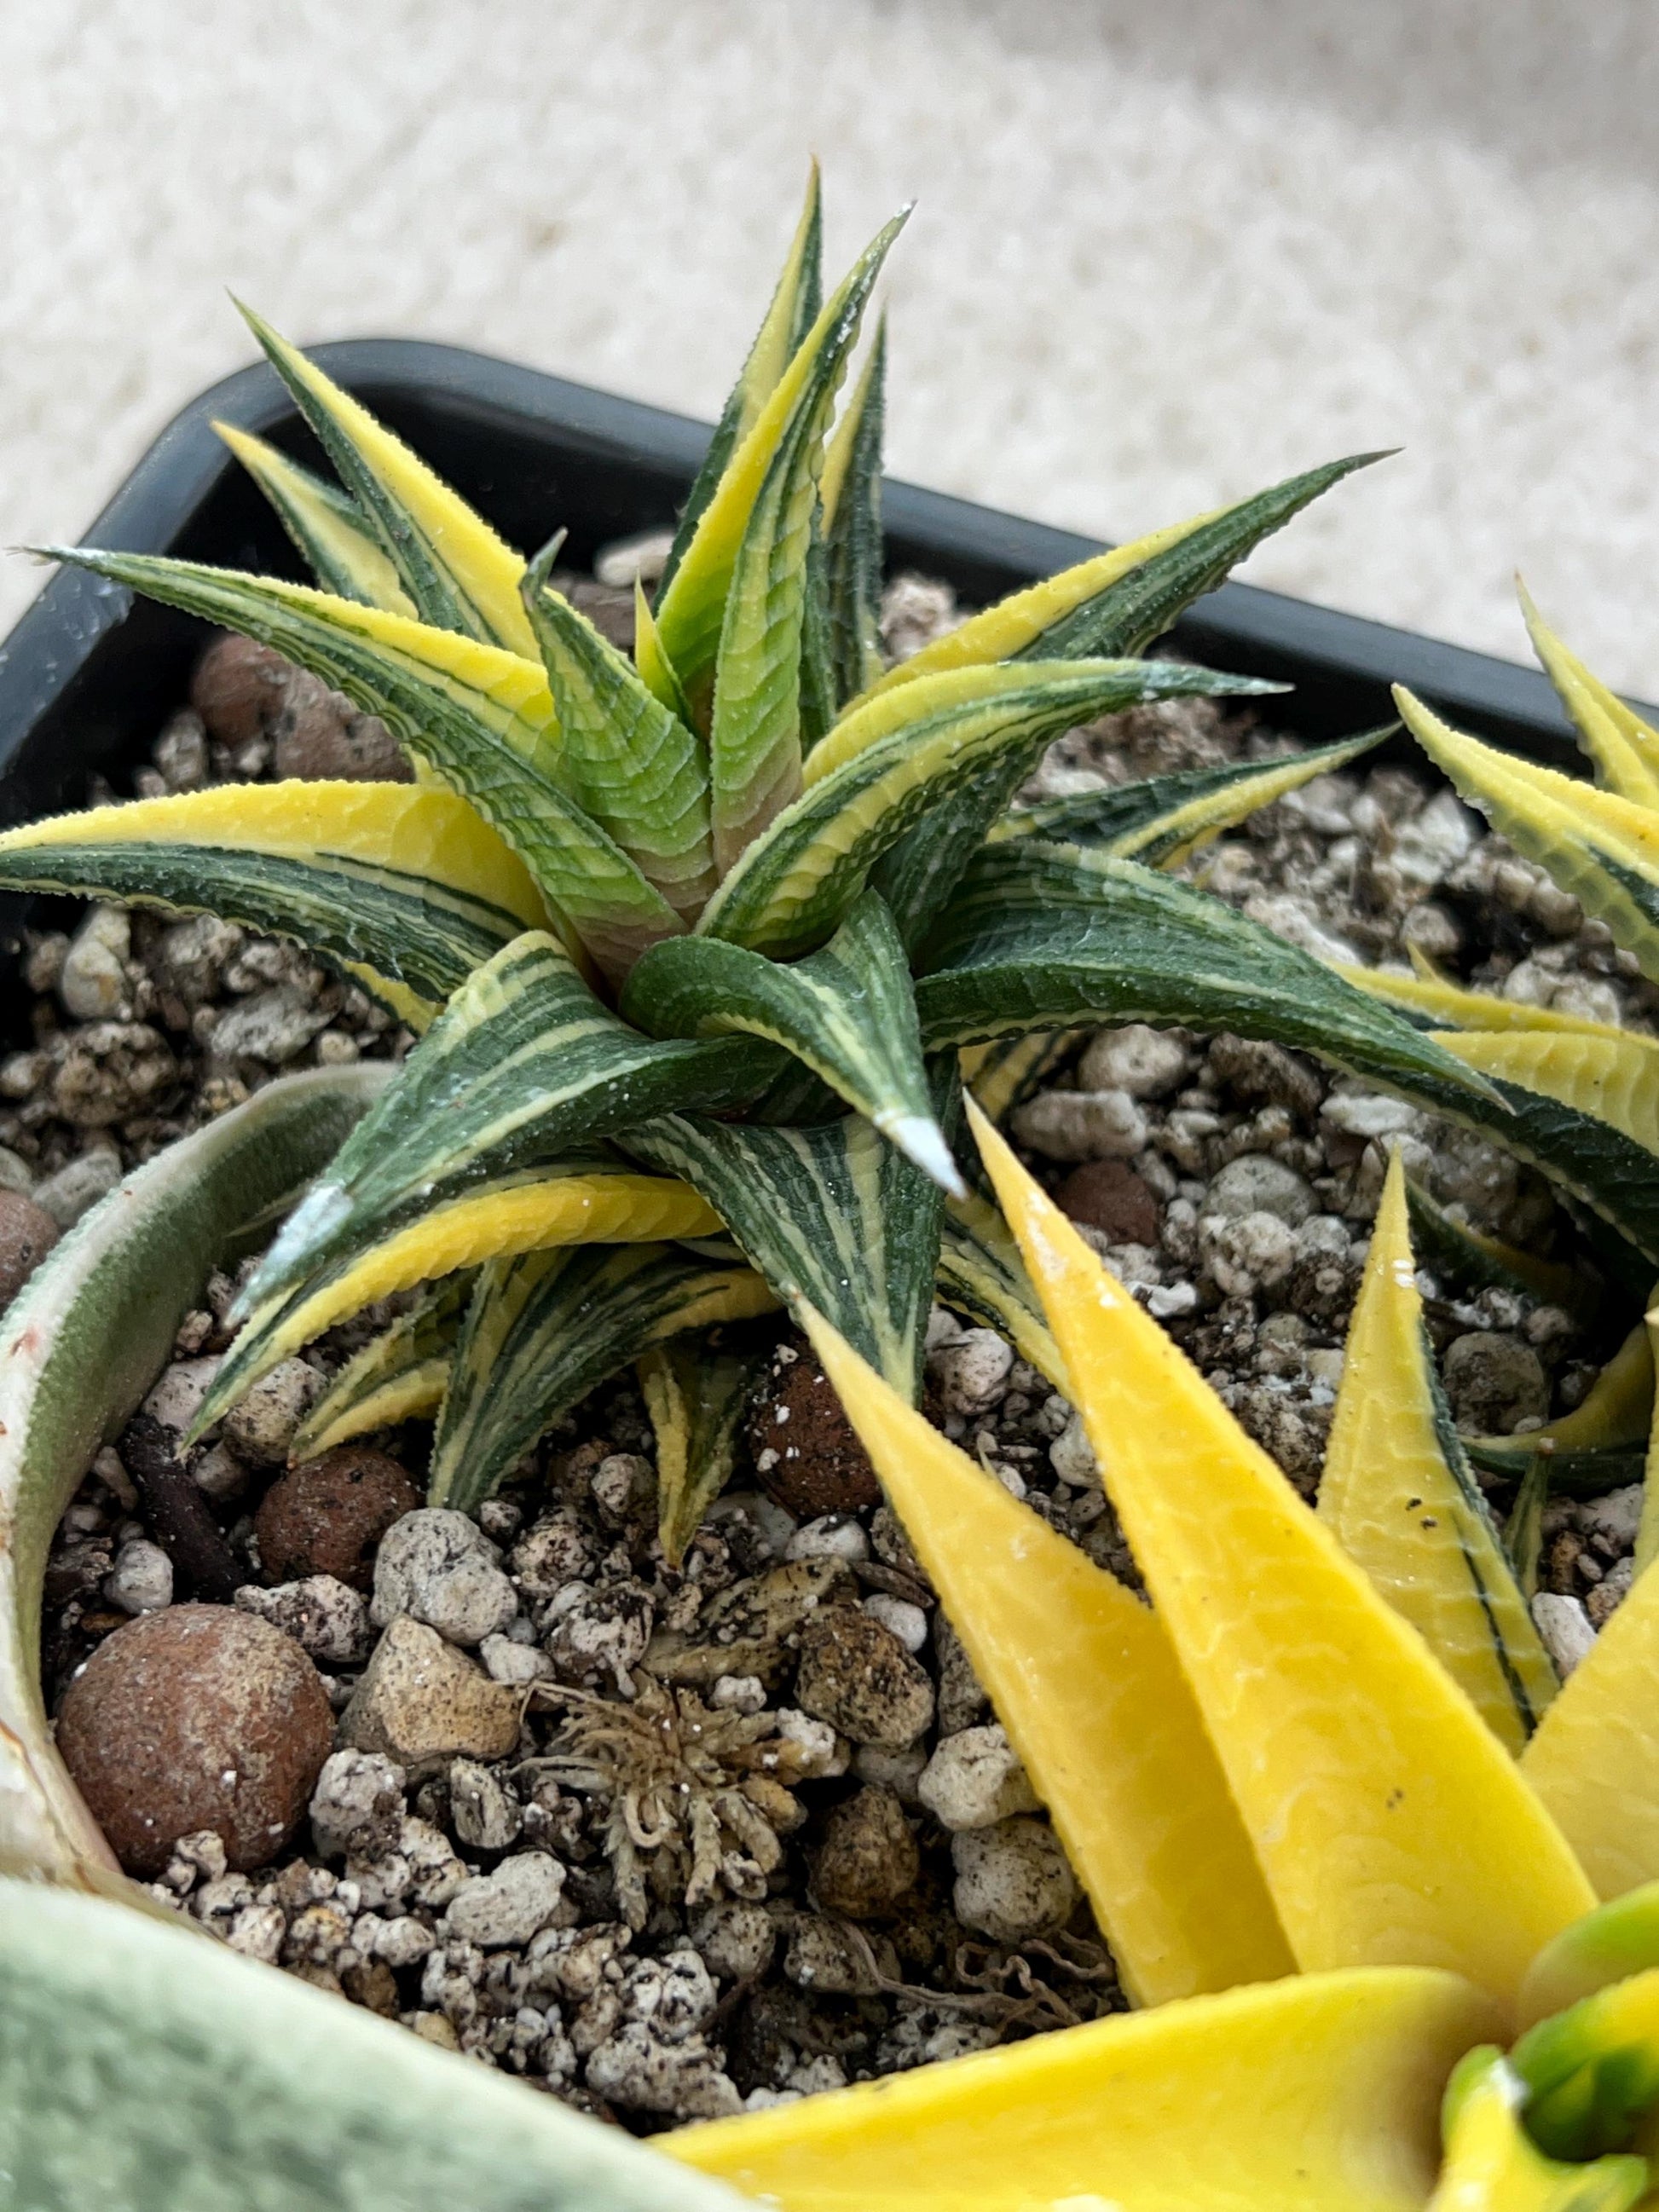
column 1391, row 1826
column 1083, row 1678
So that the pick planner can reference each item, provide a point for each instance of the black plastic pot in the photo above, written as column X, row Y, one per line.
column 88, row 675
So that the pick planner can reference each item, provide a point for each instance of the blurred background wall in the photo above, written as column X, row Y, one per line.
column 1166, row 250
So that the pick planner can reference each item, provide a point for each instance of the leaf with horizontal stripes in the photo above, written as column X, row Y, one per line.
column 1402, row 1499
column 696, row 1395
column 1625, row 748
column 690, row 607
column 1160, row 819
column 794, row 308
column 832, row 1215
column 457, row 574
column 524, row 1065
column 325, row 523
column 481, row 717
column 1601, row 848
column 885, row 767
column 398, row 1376
column 409, row 880
column 850, row 490
column 1041, row 935
column 1115, row 603
column 545, row 1329
column 578, row 1201
column 848, row 1012
column 980, row 1274
column 632, row 766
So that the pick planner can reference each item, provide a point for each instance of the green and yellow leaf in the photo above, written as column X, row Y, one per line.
column 1074, row 1663
column 630, row 764
column 1117, row 602
column 889, row 763
column 1441, row 1004
column 1391, row 1826
column 524, row 1065
column 1003, row 1072
column 657, row 672
column 456, row 572
column 848, row 1012
column 325, row 523
column 696, row 1397
column 1492, row 2164
column 850, row 490
column 690, row 607
column 1401, row 1498
column 409, row 881
column 1607, row 1946
column 1601, row 848
column 1318, row 2094
column 793, row 310
column 1590, row 2075
column 1625, row 748
column 583, row 1202
column 1161, row 819
column 1616, row 1414
column 398, row 1376
column 544, row 1329
column 1477, row 1262
column 981, row 1274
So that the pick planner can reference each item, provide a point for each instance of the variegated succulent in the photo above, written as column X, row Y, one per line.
column 694, row 940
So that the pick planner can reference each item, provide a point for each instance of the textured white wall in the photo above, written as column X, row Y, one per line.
column 1165, row 251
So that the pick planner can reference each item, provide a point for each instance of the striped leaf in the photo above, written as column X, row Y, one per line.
column 696, row 1396
column 1160, row 819
column 890, row 764
column 690, row 607
column 1399, row 1495
column 1367, row 1757
column 633, row 767
column 1005, row 1071
column 409, row 881
column 1625, row 748
column 833, row 1217
column 1601, row 848
column 793, row 310
column 85, row 1338
column 398, row 1376
column 325, row 523
column 577, row 1201
column 980, row 1274
column 847, row 1012
column 1115, row 603
column 141, row 2066
column 1437, row 1003
column 1475, row 1261
column 1073, row 1664
column 456, row 572
column 545, row 1329
column 1041, row 935
column 850, row 489
column 481, row 717
column 524, row 1065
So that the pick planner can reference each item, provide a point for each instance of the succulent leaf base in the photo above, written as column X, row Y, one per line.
column 700, row 947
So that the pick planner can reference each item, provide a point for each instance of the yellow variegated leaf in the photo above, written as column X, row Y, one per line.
column 1617, row 1410
column 1614, row 1077
column 456, row 570
column 1493, row 2165
column 1469, row 1256
column 1391, row 1826
column 324, row 523
column 397, row 1376
column 696, row 1397
column 1607, row 1946
column 656, row 670
column 1402, row 1499
column 520, row 1213
column 1313, row 2095
column 1647, row 1534
column 1625, row 749
column 1003, row 631
column 1440, row 1001
column 1004, row 1073
column 1590, row 2075
column 1603, row 849
column 1074, row 1664
column 981, row 1274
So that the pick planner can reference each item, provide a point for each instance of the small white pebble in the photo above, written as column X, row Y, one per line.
column 1565, row 1628
column 907, row 1621
column 141, row 1578
column 739, row 1693
column 831, row 1537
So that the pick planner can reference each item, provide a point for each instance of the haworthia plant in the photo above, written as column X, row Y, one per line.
column 714, row 920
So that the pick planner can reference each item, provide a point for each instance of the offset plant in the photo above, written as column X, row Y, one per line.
column 1341, row 1901
column 694, row 941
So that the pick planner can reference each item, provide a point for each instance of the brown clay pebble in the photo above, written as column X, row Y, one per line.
column 27, row 1233
column 807, row 1452
column 1109, row 1197
column 868, row 1857
column 239, row 688
column 196, row 1718
column 320, row 734
column 326, row 1515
